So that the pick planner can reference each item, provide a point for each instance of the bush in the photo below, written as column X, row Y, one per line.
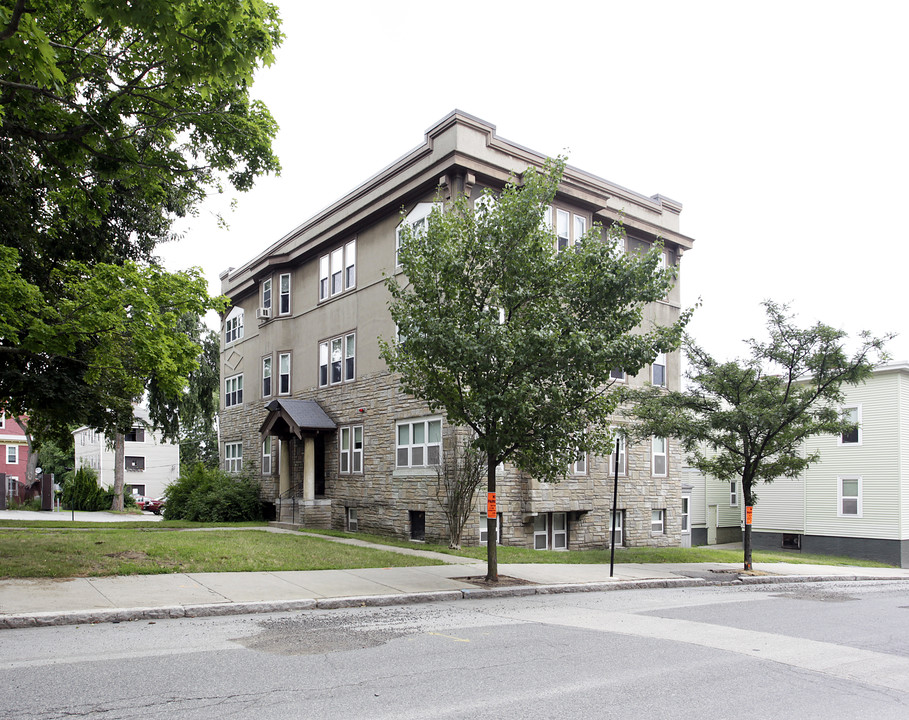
column 210, row 495
column 82, row 492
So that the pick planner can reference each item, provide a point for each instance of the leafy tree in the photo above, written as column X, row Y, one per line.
column 515, row 341
column 115, row 119
column 82, row 492
column 746, row 420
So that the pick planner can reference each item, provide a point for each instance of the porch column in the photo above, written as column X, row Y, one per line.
column 309, row 468
column 284, row 468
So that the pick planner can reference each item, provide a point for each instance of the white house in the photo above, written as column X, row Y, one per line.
column 854, row 502
column 151, row 463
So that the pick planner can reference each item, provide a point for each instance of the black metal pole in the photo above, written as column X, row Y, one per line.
column 615, row 499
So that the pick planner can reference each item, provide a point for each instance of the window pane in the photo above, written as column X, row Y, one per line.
column 659, row 465
column 539, row 523
column 345, row 439
column 416, row 457
column 419, row 433
column 404, row 434
column 850, row 487
column 402, row 457
column 435, row 431
column 358, row 438
column 850, row 506
column 432, row 455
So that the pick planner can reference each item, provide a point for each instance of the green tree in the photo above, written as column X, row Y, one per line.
column 515, row 341
column 746, row 420
column 115, row 119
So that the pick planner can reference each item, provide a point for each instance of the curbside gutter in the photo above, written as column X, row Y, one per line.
column 92, row 617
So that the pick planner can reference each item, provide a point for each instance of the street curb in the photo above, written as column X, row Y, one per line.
column 93, row 617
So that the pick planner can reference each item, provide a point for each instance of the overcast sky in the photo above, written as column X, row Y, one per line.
column 781, row 127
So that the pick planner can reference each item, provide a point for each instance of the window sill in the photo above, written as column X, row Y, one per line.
column 424, row 471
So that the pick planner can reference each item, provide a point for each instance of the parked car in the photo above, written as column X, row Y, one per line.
column 141, row 501
column 155, row 506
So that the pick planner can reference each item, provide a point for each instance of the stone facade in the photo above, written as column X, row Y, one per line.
column 288, row 306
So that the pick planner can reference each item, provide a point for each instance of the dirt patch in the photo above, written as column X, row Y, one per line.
column 503, row 581
column 128, row 555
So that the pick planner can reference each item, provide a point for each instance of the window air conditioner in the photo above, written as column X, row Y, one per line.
column 263, row 313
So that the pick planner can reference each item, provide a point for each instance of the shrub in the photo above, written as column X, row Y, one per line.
column 210, row 495
column 82, row 492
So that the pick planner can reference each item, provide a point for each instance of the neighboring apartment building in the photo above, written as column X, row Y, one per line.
column 310, row 409
column 855, row 501
column 151, row 463
column 13, row 458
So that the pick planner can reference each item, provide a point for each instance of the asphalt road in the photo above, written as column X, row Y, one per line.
column 813, row 650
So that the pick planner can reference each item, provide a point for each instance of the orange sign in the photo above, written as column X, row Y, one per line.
column 490, row 505
column 748, row 514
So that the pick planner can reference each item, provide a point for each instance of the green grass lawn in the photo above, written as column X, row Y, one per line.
column 116, row 550
column 506, row 554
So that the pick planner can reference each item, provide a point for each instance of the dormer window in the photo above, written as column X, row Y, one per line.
column 233, row 326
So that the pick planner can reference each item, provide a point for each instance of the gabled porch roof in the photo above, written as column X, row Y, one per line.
column 288, row 416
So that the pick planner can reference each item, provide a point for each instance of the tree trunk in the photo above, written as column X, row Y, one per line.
column 119, row 471
column 492, row 563
column 746, row 536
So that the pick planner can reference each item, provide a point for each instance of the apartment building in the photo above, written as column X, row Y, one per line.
column 310, row 409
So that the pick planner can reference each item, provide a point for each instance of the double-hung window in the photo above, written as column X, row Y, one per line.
column 233, row 456
column 136, row 434
column 579, row 466
column 853, row 436
column 337, row 360
column 659, row 370
column 350, row 440
column 266, row 455
column 617, row 374
column 418, row 220
column 569, row 227
column 233, row 391
column 284, row 294
column 419, row 443
column 658, row 522
column 12, row 454
column 849, row 502
column 659, row 447
column 733, row 494
column 266, row 376
column 338, row 271
column 233, row 326
column 284, row 373
column 266, row 294
column 616, row 528
column 621, row 440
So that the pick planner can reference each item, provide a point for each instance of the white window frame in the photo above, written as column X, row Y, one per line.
column 841, row 497
column 658, row 378
column 484, row 528
column 579, row 466
column 267, row 448
column 658, row 522
column 267, row 376
column 233, row 391
column 619, row 527
column 560, row 535
column 350, row 265
column 618, row 375
column 2, row 420
column 350, row 450
column 353, row 522
column 541, row 534
column 418, row 220
column 284, row 294
column 405, row 451
column 233, row 326
column 858, row 415
column 233, row 457
column 733, row 493
column 686, row 515
column 655, row 441
column 623, row 458
column 284, row 373
column 266, row 293
column 346, row 360
column 12, row 454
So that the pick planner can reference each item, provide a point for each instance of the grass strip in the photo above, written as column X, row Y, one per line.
column 701, row 554
column 99, row 551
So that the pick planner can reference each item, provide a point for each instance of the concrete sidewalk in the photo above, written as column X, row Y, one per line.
column 40, row 602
